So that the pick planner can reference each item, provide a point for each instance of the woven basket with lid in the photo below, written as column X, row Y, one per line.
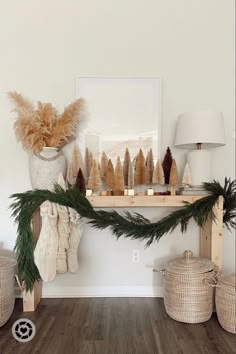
column 225, row 301
column 7, row 293
column 187, row 297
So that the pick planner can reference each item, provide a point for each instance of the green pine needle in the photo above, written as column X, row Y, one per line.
column 128, row 225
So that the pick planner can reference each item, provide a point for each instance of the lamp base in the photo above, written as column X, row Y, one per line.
column 199, row 162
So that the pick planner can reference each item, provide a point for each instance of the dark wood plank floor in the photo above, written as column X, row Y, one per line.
column 113, row 326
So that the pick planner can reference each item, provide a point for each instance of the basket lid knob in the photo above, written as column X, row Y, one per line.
column 188, row 254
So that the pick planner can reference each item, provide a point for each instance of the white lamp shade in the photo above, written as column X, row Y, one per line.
column 204, row 127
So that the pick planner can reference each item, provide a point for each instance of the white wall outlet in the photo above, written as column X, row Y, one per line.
column 135, row 256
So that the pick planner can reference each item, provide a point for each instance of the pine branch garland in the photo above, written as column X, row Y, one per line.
column 133, row 226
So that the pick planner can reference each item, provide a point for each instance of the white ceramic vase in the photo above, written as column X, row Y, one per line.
column 45, row 167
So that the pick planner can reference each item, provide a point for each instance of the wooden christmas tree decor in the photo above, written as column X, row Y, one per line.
column 149, row 167
column 127, row 162
column 110, row 177
column 119, row 178
column 173, row 181
column 103, row 165
column 166, row 165
column 140, row 169
column 187, row 178
column 158, row 174
column 80, row 182
column 94, row 181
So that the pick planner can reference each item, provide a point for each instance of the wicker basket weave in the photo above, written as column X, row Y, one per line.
column 225, row 301
column 7, row 293
column 187, row 297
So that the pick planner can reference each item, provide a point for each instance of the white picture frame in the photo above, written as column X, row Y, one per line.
column 120, row 112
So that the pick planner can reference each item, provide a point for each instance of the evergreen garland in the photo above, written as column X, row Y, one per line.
column 130, row 225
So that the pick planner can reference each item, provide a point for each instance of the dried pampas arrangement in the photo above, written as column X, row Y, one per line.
column 41, row 126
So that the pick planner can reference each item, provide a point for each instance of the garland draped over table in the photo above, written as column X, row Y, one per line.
column 130, row 225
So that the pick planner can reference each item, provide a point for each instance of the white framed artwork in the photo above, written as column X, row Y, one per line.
column 120, row 113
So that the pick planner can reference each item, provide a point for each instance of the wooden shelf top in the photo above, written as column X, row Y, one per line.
column 141, row 201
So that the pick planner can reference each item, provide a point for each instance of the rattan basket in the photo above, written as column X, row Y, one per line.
column 187, row 297
column 225, row 301
column 7, row 293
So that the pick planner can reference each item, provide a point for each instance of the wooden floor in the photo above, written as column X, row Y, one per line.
column 113, row 325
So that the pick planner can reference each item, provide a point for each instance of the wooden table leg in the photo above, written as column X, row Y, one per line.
column 211, row 236
column 32, row 299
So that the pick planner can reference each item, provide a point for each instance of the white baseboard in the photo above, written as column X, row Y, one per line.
column 106, row 291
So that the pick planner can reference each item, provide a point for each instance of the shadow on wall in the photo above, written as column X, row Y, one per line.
column 160, row 264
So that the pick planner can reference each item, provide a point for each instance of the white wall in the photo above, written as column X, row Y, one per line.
column 45, row 44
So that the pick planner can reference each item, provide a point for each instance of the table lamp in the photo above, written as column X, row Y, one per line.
column 199, row 131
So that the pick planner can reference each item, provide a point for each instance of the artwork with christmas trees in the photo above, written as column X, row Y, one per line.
column 158, row 174
column 119, row 177
column 110, row 176
column 166, row 165
column 94, row 181
column 140, row 169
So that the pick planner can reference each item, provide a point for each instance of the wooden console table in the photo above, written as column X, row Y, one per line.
column 210, row 233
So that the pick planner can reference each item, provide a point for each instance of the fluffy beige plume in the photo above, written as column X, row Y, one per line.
column 23, row 106
column 66, row 124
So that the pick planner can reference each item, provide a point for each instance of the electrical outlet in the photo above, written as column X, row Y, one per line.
column 135, row 256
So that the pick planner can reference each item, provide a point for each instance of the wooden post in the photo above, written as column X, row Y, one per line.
column 211, row 236
column 32, row 299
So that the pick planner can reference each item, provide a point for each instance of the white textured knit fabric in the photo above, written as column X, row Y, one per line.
column 77, row 227
column 63, row 227
column 45, row 253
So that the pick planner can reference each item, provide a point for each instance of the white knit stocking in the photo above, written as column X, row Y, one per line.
column 63, row 228
column 46, row 248
column 77, row 227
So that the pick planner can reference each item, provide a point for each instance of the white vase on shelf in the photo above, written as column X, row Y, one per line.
column 45, row 167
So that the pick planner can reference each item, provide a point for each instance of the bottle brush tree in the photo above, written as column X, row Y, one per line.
column 173, row 181
column 119, row 177
column 110, row 176
column 166, row 165
column 158, row 174
column 87, row 165
column 94, row 181
column 149, row 167
column 80, row 182
column 140, row 169
column 127, row 162
column 103, row 165
column 187, row 178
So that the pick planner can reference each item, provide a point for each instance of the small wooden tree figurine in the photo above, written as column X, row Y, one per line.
column 119, row 178
column 103, row 165
column 80, row 182
column 127, row 162
column 94, row 181
column 140, row 169
column 149, row 167
column 158, row 174
column 166, row 165
column 110, row 177
column 173, row 178
column 187, row 178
